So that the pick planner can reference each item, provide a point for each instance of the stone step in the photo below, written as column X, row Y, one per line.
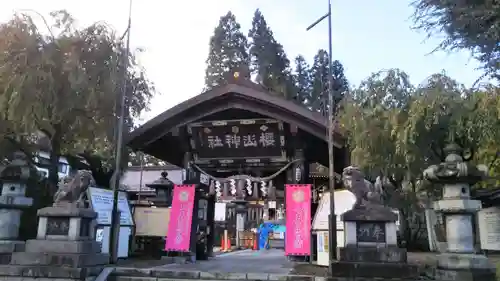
column 135, row 274
column 59, row 259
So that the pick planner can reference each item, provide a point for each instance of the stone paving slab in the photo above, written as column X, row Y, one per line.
column 134, row 274
column 241, row 265
column 244, row 261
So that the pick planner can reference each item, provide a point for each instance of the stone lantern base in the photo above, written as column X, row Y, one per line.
column 65, row 247
column 464, row 267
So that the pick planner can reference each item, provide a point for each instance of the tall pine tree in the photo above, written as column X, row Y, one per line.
column 268, row 59
column 302, row 81
column 228, row 52
column 319, row 84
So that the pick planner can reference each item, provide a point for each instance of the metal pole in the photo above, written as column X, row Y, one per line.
column 331, row 124
column 141, row 175
column 332, row 220
column 115, row 214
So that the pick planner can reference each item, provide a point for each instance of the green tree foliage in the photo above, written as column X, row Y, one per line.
column 228, row 52
column 65, row 84
column 319, row 85
column 471, row 25
column 396, row 130
column 268, row 59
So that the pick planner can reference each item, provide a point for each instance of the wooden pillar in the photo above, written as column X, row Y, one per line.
column 240, row 189
column 211, row 225
column 255, row 193
column 225, row 190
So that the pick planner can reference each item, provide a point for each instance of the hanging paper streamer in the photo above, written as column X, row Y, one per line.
column 232, row 184
column 181, row 215
column 263, row 188
column 218, row 190
column 298, row 220
column 248, row 186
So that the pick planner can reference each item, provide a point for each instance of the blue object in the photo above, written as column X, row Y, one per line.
column 264, row 230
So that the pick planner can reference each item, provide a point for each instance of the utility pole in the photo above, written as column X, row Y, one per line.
column 332, row 219
column 115, row 214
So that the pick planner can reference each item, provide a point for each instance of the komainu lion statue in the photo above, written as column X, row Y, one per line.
column 72, row 189
column 367, row 195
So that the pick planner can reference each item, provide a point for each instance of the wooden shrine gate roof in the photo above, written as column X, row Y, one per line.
column 161, row 137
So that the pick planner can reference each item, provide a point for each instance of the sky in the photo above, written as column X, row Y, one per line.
column 368, row 36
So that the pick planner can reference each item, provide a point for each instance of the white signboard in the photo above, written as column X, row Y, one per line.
column 220, row 211
column 344, row 200
column 272, row 204
column 101, row 201
column 489, row 228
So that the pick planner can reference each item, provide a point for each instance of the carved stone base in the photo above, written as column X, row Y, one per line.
column 374, row 270
column 465, row 267
column 47, row 273
column 373, row 254
column 466, row 275
column 9, row 247
column 61, row 223
column 370, row 213
column 60, row 259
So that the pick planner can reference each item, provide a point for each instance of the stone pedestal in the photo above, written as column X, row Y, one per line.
column 12, row 203
column 65, row 247
column 371, row 248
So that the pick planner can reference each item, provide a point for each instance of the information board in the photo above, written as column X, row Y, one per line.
column 489, row 228
column 101, row 201
column 151, row 221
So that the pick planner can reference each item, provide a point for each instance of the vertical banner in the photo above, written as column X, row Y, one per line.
column 181, row 216
column 298, row 220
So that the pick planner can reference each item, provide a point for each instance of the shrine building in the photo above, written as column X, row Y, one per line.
column 241, row 143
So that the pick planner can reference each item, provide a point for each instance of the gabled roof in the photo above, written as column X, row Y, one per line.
column 243, row 95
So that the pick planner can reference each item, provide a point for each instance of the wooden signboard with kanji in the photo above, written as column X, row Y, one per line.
column 238, row 141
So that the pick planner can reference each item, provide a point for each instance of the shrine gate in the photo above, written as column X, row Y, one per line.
column 240, row 144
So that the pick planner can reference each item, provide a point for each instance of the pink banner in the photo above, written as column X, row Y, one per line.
column 181, row 216
column 298, row 220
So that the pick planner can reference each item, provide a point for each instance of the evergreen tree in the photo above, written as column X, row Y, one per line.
column 268, row 59
column 340, row 83
column 228, row 52
column 319, row 84
column 302, row 81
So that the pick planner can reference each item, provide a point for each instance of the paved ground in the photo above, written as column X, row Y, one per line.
column 246, row 261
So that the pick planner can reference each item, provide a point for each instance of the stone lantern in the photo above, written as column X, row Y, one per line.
column 163, row 188
column 460, row 260
column 13, row 200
